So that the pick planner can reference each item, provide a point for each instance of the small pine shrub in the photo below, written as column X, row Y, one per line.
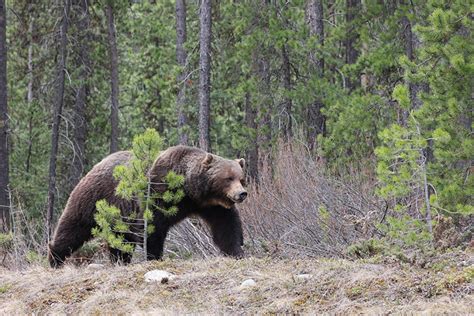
column 135, row 185
column 406, row 233
column 365, row 248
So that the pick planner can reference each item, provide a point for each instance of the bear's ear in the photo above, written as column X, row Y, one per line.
column 241, row 162
column 207, row 160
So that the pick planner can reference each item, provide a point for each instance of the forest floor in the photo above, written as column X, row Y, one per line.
column 214, row 286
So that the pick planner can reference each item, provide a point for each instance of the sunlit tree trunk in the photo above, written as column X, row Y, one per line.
column 58, row 106
column 181, row 57
column 82, row 20
column 205, row 75
column 4, row 153
column 114, row 79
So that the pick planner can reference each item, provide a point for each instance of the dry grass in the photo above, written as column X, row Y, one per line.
column 296, row 211
column 212, row 286
column 299, row 211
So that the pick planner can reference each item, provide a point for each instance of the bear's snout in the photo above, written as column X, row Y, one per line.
column 241, row 196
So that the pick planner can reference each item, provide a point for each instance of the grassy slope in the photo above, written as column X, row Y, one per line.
column 213, row 286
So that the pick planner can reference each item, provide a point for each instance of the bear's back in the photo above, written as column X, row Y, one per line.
column 97, row 184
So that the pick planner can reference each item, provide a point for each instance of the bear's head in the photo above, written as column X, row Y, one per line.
column 224, row 181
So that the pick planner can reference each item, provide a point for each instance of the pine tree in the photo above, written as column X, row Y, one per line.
column 135, row 185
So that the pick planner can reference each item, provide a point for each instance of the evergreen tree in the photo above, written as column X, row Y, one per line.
column 380, row 87
column 135, row 186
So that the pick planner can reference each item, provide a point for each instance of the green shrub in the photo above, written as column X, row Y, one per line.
column 135, row 186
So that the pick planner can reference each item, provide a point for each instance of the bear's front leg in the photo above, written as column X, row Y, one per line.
column 156, row 241
column 118, row 256
column 226, row 228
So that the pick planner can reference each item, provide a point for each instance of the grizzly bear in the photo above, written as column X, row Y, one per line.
column 212, row 186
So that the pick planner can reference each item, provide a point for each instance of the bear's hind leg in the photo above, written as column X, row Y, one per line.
column 55, row 257
column 70, row 235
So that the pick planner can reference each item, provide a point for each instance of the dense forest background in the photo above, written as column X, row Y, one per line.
column 377, row 93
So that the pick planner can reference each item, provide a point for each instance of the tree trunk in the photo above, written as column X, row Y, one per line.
column 58, row 106
column 4, row 154
column 82, row 20
column 181, row 57
column 315, row 16
column 410, row 43
column 205, row 75
column 252, row 151
column 316, row 120
column 264, row 136
column 114, row 79
column 426, row 154
column 287, row 102
column 30, row 95
column 352, row 8
column 261, row 61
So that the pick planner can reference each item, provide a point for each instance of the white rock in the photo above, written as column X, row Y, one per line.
column 158, row 276
column 304, row 276
column 248, row 283
column 95, row 266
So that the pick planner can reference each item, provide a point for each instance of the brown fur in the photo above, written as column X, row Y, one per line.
column 212, row 186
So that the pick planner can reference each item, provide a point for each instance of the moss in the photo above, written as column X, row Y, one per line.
column 469, row 273
column 355, row 292
column 439, row 266
column 4, row 288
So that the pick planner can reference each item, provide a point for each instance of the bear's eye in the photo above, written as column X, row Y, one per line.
column 230, row 179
